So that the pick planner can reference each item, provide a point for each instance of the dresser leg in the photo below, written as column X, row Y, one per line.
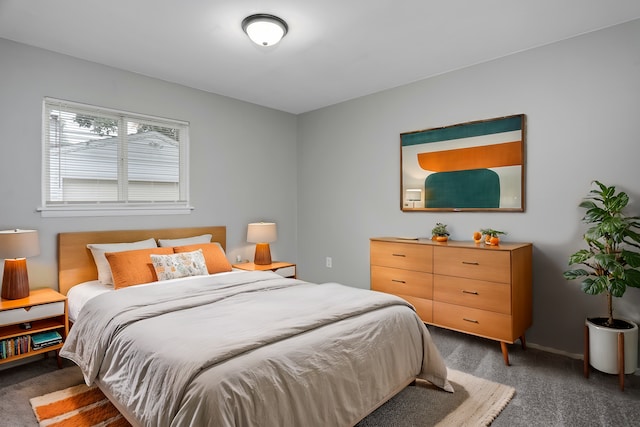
column 505, row 352
column 523, row 342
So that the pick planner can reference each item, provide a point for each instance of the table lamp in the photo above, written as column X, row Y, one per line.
column 15, row 247
column 262, row 233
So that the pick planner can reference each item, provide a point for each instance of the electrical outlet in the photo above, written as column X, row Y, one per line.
column 329, row 262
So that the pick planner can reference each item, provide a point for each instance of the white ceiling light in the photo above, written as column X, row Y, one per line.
column 264, row 30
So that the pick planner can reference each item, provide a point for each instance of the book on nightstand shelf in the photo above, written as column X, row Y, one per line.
column 14, row 346
column 45, row 339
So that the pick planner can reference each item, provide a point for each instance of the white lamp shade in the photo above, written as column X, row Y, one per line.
column 264, row 30
column 19, row 244
column 262, row 232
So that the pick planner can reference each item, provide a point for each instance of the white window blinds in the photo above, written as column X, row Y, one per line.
column 97, row 158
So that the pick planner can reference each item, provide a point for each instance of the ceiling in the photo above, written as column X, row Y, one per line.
column 335, row 50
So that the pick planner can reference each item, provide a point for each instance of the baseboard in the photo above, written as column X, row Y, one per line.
column 577, row 356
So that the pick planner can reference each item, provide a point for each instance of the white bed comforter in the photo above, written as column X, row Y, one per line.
column 251, row 348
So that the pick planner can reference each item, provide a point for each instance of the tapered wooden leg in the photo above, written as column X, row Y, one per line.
column 586, row 351
column 621, row 360
column 505, row 352
column 523, row 342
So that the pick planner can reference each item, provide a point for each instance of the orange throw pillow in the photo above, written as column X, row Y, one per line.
column 214, row 256
column 130, row 268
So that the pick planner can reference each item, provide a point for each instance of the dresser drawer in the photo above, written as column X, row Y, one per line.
column 407, row 256
column 472, row 320
column 34, row 312
column 402, row 282
column 492, row 296
column 480, row 264
column 424, row 307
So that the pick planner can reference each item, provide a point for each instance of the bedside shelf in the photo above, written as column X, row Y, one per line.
column 44, row 309
column 285, row 269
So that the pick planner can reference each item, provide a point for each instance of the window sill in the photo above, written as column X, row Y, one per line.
column 75, row 211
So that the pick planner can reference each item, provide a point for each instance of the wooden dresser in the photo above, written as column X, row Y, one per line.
column 464, row 286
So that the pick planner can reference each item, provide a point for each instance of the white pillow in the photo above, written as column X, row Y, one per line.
column 98, row 250
column 205, row 238
column 183, row 264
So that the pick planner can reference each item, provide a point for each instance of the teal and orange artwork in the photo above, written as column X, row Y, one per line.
column 470, row 166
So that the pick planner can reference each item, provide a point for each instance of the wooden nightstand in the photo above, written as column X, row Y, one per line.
column 44, row 310
column 285, row 269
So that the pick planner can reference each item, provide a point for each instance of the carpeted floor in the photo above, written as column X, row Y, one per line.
column 550, row 389
column 475, row 399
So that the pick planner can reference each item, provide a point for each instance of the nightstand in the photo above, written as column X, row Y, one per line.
column 285, row 269
column 44, row 310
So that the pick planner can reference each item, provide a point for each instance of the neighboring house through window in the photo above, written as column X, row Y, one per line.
column 98, row 161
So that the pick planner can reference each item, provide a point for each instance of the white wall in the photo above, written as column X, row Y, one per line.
column 243, row 157
column 581, row 100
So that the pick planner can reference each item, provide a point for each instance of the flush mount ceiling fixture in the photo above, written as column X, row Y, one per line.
column 264, row 30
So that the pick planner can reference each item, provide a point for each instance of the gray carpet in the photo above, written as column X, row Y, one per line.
column 550, row 389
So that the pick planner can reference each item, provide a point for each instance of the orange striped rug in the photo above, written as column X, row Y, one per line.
column 77, row 406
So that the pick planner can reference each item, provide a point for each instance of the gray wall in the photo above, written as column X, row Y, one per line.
column 243, row 157
column 330, row 178
column 581, row 100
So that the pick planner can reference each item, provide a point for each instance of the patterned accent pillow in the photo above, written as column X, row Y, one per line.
column 179, row 265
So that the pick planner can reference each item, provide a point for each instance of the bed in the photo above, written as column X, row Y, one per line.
column 234, row 347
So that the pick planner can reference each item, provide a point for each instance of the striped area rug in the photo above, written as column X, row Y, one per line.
column 77, row 406
column 483, row 402
column 476, row 402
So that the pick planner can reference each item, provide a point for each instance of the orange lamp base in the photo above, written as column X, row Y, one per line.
column 263, row 254
column 15, row 281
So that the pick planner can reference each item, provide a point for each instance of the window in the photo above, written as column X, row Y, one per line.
column 101, row 160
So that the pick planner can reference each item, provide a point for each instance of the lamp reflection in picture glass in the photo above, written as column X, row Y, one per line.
column 262, row 233
column 15, row 247
column 413, row 196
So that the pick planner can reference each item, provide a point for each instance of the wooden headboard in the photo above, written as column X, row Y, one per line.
column 75, row 262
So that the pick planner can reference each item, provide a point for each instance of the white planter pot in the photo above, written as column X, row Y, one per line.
column 603, row 348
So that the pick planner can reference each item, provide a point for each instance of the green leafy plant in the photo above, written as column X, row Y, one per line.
column 491, row 232
column 440, row 230
column 611, row 260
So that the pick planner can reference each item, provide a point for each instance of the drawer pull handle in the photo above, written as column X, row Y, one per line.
column 402, row 255
column 471, row 262
column 398, row 281
column 470, row 320
column 470, row 292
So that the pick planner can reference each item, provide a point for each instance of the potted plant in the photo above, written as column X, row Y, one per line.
column 439, row 233
column 491, row 236
column 610, row 263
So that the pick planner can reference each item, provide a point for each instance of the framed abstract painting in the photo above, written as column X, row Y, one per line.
column 474, row 166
